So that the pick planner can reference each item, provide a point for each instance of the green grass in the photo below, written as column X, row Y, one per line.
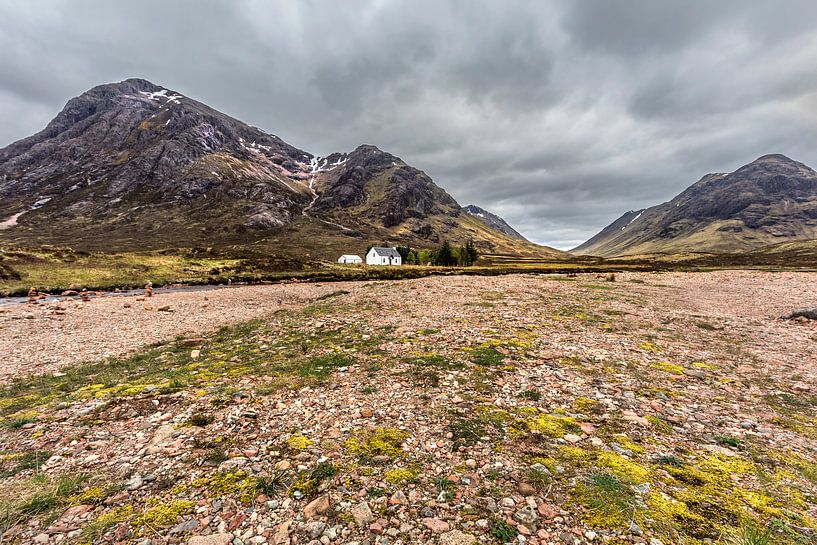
column 468, row 431
column 610, row 502
column 487, row 356
column 42, row 496
column 750, row 534
column 294, row 356
column 14, row 464
column 502, row 532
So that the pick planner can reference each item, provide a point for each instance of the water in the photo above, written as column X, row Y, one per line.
column 11, row 301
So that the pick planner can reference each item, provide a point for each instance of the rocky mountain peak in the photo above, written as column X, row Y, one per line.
column 137, row 165
column 773, row 199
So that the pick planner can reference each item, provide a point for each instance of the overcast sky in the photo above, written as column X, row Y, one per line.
column 558, row 116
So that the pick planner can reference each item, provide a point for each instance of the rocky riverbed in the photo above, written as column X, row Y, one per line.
column 658, row 408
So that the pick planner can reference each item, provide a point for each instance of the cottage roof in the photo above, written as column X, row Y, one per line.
column 386, row 252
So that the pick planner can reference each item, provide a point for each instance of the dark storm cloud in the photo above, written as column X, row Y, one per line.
column 557, row 115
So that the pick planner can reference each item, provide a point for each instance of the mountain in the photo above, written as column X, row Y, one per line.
column 133, row 165
column 771, row 200
column 493, row 221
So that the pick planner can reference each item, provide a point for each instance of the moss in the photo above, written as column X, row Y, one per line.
column 553, row 426
column 92, row 495
column 402, row 475
column 378, row 442
column 104, row 522
column 628, row 444
column 649, row 346
column 229, row 483
column 727, row 466
column 668, row 367
column 659, row 423
column 164, row 514
column 575, row 456
column 624, row 468
column 585, row 405
column 608, row 502
column 297, row 443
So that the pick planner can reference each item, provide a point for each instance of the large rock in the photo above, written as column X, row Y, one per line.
column 808, row 313
column 214, row 539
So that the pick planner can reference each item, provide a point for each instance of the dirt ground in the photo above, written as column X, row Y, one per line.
column 661, row 408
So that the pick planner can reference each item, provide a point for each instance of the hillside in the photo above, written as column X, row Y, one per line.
column 134, row 166
column 769, row 201
column 493, row 221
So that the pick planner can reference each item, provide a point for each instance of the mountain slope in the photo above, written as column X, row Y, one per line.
column 493, row 221
column 133, row 165
column 771, row 200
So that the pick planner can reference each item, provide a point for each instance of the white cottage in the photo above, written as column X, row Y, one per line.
column 383, row 256
column 350, row 259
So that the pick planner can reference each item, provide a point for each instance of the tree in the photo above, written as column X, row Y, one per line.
column 472, row 252
column 462, row 256
column 404, row 252
column 445, row 256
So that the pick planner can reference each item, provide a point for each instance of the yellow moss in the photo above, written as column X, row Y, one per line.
column 727, row 466
column 92, row 495
column 761, row 503
column 623, row 467
column 164, row 514
column 584, row 404
column 549, row 463
column 649, row 346
column 553, row 426
column 628, row 444
column 403, row 475
column 668, row 367
column 179, row 488
column 704, row 365
column 96, row 528
column 574, row 455
column 378, row 442
column 227, row 483
column 660, row 424
column 297, row 442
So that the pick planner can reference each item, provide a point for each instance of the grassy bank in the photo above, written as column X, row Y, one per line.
column 57, row 269
column 54, row 270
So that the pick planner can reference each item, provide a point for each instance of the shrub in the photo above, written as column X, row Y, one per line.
column 502, row 531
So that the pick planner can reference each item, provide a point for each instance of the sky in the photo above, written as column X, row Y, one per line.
column 557, row 115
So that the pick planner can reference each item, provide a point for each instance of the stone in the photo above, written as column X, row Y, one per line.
column 398, row 498
column 212, row 539
column 456, row 537
column 525, row 489
column 436, row 525
column 185, row 526
column 317, row 507
column 281, row 535
column 526, row 515
column 362, row 514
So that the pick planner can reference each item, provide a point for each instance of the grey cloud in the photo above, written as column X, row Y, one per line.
column 558, row 115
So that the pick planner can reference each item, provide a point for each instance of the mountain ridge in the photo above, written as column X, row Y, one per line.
column 493, row 221
column 133, row 165
column 770, row 200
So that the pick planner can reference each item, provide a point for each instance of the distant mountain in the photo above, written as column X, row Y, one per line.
column 133, row 165
column 771, row 200
column 493, row 221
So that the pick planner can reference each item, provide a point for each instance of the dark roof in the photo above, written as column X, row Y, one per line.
column 386, row 252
